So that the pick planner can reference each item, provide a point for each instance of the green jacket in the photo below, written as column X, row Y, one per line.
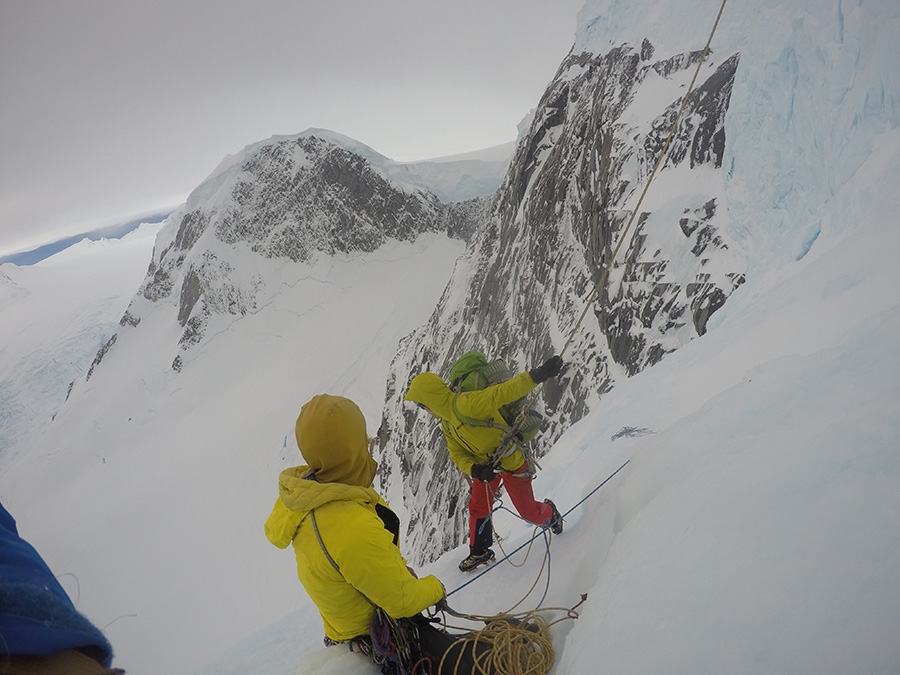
column 469, row 444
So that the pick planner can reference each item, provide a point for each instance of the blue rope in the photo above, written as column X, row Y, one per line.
column 542, row 530
column 608, row 478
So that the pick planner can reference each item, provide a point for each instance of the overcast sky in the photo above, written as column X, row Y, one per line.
column 110, row 109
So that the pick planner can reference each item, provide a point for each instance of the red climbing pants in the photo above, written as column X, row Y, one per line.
column 519, row 490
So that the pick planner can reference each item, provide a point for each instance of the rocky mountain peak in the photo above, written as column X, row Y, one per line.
column 290, row 199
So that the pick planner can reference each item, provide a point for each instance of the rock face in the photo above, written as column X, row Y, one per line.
column 520, row 289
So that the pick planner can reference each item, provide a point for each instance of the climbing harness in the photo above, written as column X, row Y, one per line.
column 520, row 423
column 390, row 641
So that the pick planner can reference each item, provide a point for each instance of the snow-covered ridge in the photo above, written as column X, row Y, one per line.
column 293, row 198
column 458, row 178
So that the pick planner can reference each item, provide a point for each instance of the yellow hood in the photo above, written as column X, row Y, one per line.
column 302, row 495
column 363, row 565
column 331, row 435
column 432, row 392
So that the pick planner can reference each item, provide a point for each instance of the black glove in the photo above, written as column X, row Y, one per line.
column 551, row 368
column 483, row 472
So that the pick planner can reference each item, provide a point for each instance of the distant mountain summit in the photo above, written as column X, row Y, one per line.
column 293, row 198
column 459, row 177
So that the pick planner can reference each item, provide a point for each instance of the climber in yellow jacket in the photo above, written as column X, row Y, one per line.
column 345, row 537
column 472, row 449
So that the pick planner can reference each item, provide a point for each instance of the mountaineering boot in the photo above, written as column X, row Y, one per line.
column 556, row 520
column 475, row 559
column 483, row 536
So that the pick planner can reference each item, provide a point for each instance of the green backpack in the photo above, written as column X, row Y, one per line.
column 472, row 371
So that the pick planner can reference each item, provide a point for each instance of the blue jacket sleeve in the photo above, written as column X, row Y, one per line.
column 36, row 615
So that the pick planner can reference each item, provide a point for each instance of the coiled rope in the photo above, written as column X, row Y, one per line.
column 522, row 647
column 511, row 643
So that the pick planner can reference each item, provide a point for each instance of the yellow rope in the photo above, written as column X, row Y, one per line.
column 527, row 551
column 522, row 648
column 536, row 579
column 506, row 646
column 509, row 644
column 636, row 209
column 489, row 495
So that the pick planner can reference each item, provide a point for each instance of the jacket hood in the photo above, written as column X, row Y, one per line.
column 302, row 493
column 331, row 435
column 432, row 392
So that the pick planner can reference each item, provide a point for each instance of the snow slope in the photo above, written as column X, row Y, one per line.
column 756, row 529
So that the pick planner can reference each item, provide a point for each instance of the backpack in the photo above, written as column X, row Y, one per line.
column 472, row 371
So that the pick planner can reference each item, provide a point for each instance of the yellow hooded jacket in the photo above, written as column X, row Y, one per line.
column 332, row 438
column 470, row 444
